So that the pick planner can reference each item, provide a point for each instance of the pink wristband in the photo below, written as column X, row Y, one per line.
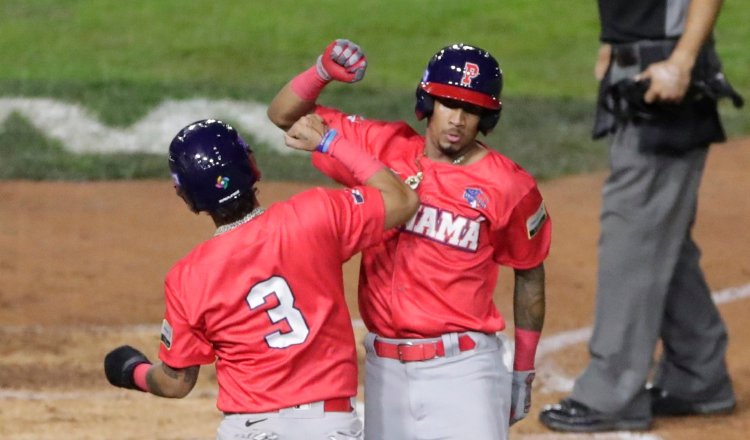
column 308, row 84
column 526, row 343
column 139, row 376
column 360, row 163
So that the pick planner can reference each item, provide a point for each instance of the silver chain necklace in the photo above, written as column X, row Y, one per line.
column 229, row 226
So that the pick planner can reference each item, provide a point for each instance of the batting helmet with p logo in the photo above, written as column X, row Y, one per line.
column 463, row 73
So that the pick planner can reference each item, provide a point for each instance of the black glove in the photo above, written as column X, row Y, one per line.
column 119, row 365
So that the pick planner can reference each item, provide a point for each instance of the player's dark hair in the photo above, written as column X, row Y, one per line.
column 236, row 209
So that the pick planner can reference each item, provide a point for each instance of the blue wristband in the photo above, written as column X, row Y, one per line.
column 325, row 143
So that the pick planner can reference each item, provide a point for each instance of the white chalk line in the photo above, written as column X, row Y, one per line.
column 79, row 131
column 547, row 346
column 553, row 380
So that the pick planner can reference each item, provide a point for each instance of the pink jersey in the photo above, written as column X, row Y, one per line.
column 265, row 301
column 438, row 274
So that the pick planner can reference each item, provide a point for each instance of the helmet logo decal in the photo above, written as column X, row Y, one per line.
column 471, row 71
column 222, row 182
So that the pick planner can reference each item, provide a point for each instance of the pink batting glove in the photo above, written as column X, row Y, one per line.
column 342, row 61
column 520, row 396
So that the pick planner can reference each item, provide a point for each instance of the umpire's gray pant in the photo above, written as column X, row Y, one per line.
column 650, row 285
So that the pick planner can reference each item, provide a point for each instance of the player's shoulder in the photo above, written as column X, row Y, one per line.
column 506, row 170
column 328, row 199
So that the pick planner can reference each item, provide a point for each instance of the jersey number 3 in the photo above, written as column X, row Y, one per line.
column 284, row 311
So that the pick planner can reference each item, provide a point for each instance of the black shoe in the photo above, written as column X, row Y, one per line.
column 665, row 404
column 572, row 416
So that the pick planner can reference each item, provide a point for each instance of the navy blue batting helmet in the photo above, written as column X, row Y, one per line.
column 463, row 73
column 211, row 163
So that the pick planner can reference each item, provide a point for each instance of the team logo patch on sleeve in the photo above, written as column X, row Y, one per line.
column 535, row 222
column 358, row 197
column 166, row 334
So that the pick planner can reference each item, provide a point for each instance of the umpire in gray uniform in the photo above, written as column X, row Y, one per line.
column 660, row 82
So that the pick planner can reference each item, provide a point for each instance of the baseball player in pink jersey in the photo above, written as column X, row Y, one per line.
column 434, row 364
column 264, row 298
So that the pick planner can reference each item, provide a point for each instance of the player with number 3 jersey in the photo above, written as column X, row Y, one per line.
column 264, row 298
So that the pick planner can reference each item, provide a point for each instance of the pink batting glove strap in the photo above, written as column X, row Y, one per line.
column 139, row 376
column 525, row 350
column 361, row 164
column 308, row 84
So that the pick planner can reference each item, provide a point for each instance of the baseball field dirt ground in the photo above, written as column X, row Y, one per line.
column 81, row 272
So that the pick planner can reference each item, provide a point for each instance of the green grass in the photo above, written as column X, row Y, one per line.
column 120, row 59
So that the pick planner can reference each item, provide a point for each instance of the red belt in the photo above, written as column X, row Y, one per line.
column 411, row 352
column 341, row 404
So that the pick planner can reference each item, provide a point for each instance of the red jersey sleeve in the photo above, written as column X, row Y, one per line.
column 358, row 218
column 372, row 136
column 524, row 241
column 183, row 341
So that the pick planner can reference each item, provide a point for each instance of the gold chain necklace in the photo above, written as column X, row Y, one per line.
column 414, row 180
column 459, row 159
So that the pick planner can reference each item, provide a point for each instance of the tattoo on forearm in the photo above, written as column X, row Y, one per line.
column 173, row 374
column 153, row 384
column 162, row 381
column 528, row 299
column 191, row 375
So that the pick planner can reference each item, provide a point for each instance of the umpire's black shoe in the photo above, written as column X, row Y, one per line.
column 665, row 404
column 572, row 416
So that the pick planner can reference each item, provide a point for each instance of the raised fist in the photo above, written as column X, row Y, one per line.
column 307, row 133
column 342, row 61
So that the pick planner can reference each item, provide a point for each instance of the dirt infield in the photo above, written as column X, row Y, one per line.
column 81, row 272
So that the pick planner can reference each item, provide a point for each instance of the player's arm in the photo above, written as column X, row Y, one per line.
column 310, row 133
column 528, row 314
column 341, row 60
column 670, row 78
column 528, row 299
column 127, row 367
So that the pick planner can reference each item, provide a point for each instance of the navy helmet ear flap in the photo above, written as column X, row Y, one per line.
column 489, row 121
column 425, row 104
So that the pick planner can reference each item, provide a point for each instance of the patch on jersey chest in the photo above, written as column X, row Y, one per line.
column 166, row 334
column 535, row 222
column 475, row 198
